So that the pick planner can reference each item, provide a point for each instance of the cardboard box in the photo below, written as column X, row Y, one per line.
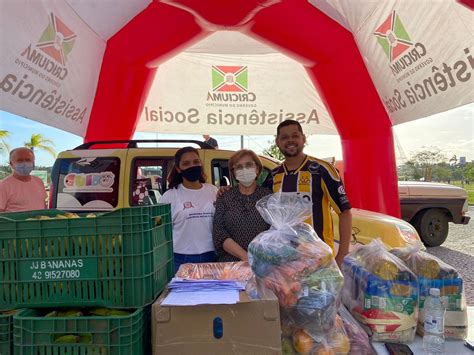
column 248, row 327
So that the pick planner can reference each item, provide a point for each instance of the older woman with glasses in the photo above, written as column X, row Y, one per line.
column 236, row 220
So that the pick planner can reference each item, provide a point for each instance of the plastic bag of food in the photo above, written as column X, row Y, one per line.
column 358, row 338
column 300, row 341
column 297, row 266
column 434, row 273
column 238, row 271
column 381, row 293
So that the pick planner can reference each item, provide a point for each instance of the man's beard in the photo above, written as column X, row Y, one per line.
column 292, row 153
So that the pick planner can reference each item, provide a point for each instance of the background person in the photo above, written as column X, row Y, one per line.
column 20, row 191
column 318, row 180
column 192, row 209
column 211, row 141
column 237, row 221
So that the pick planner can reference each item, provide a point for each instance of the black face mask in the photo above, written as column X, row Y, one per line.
column 192, row 174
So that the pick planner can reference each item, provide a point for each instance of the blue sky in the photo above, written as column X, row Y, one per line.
column 452, row 132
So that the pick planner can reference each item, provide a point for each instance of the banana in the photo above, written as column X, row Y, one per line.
column 8, row 312
column 99, row 311
column 67, row 339
column 70, row 313
column 60, row 216
column 104, row 312
column 91, row 215
column 118, row 312
column 51, row 314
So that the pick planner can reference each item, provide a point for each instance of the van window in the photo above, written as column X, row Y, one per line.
column 263, row 176
column 86, row 184
column 149, row 180
column 220, row 172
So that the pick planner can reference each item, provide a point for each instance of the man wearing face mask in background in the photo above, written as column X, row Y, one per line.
column 20, row 191
column 236, row 220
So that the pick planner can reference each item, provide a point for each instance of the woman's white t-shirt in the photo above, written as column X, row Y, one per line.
column 192, row 212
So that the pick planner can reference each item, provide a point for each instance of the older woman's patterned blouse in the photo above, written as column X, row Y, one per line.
column 236, row 217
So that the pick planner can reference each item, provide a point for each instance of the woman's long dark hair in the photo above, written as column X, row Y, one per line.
column 174, row 177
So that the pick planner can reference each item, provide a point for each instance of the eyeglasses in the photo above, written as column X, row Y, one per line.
column 247, row 165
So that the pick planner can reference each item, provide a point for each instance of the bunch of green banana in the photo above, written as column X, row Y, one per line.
column 68, row 313
column 73, row 338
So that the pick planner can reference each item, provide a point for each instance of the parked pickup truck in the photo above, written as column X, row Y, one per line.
column 429, row 207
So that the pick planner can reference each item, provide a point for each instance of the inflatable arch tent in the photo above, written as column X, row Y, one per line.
column 373, row 64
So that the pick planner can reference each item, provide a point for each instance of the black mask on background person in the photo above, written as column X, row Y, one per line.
column 192, row 174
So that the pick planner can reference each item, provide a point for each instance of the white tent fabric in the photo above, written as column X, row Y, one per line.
column 419, row 55
column 49, row 63
column 190, row 92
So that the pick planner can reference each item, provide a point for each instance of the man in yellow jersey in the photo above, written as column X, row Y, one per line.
column 318, row 180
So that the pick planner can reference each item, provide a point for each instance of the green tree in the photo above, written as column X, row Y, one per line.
column 273, row 151
column 37, row 141
column 426, row 159
column 409, row 171
column 4, row 146
column 469, row 172
column 442, row 172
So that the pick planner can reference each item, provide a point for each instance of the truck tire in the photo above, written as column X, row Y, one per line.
column 432, row 226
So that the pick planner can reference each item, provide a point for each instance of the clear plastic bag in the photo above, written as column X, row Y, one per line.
column 381, row 293
column 434, row 273
column 358, row 338
column 291, row 261
column 238, row 271
column 300, row 341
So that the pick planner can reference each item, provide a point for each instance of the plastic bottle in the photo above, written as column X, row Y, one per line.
column 433, row 340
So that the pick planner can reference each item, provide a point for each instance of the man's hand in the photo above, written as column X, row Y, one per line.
column 340, row 259
column 222, row 190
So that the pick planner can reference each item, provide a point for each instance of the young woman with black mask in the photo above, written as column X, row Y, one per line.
column 192, row 209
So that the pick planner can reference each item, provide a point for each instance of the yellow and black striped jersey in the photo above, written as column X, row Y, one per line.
column 320, row 181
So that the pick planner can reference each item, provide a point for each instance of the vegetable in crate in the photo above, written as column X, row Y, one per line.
column 381, row 293
column 290, row 260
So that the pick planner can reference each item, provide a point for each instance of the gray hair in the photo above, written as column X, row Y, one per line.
column 13, row 151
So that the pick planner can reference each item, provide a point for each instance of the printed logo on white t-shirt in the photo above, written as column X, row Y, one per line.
column 187, row 204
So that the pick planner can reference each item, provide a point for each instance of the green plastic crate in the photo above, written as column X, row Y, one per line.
column 120, row 259
column 6, row 334
column 33, row 334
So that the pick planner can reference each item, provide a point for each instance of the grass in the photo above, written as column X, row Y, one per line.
column 470, row 191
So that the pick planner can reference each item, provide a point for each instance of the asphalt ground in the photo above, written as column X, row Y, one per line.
column 458, row 251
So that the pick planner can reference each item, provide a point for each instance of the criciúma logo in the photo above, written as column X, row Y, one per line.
column 397, row 44
column 230, row 83
column 53, row 47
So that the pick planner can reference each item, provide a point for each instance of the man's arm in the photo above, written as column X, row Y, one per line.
column 345, row 235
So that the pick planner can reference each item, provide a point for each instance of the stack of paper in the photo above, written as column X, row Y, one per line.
column 185, row 292
column 189, row 285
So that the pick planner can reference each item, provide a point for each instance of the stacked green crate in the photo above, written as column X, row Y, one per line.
column 6, row 332
column 119, row 335
column 120, row 259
